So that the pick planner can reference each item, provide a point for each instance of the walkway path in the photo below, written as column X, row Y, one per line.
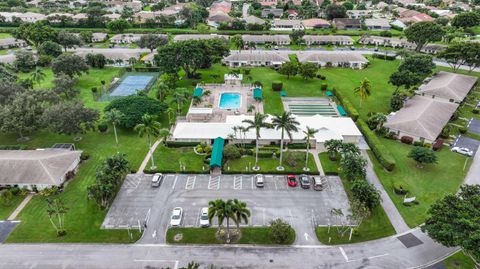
column 20, row 207
column 147, row 158
column 387, row 204
column 317, row 161
column 473, row 176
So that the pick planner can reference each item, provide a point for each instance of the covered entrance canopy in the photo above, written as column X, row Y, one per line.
column 217, row 152
column 257, row 94
column 197, row 92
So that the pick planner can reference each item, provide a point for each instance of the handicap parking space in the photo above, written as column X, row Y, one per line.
column 467, row 142
column 474, row 126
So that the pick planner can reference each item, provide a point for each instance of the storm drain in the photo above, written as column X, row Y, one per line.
column 409, row 240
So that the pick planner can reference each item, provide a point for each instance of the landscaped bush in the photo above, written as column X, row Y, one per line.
column 294, row 158
column 13, row 147
column 178, row 144
column 102, row 127
column 418, row 143
column 438, row 144
column 475, row 111
column 324, row 86
column 399, row 188
column 281, row 231
column 379, row 150
column 297, row 146
column 406, row 140
column 231, row 152
column 134, row 107
column 277, row 86
column 84, row 156
column 462, row 130
column 384, row 57
column 349, row 108
column 427, row 145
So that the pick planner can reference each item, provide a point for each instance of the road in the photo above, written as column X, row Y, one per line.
column 473, row 176
column 383, row 253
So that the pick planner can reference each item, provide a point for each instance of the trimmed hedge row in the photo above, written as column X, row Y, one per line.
column 13, row 147
column 167, row 171
column 349, row 108
column 297, row 146
column 176, row 144
column 379, row 150
column 274, row 172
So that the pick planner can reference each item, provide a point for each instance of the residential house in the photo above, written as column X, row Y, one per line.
column 347, row 24
column 286, row 25
column 449, row 86
column 197, row 37
column 327, row 40
column 316, row 23
column 99, row 37
column 24, row 17
column 433, row 48
column 254, row 20
column 272, row 12
column 359, row 14
column 112, row 17
column 10, row 42
column 282, row 40
column 333, row 59
column 377, row 24
column 220, row 6
column 256, row 58
column 38, row 169
column 130, row 38
column 116, row 56
column 382, row 41
column 218, row 18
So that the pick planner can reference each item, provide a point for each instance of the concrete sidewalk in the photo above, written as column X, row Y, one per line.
column 387, row 204
column 473, row 176
column 147, row 158
column 19, row 208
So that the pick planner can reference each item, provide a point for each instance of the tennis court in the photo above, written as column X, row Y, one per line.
column 133, row 82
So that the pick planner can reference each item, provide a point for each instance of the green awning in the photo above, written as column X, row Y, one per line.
column 217, row 152
column 197, row 92
column 283, row 93
column 341, row 110
column 328, row 93
column 257, row 94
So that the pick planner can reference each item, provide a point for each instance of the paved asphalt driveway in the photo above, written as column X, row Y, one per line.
column 467, row 142
column 474, row 126
column 137, row 201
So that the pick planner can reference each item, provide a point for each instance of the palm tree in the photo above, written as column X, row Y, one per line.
column 309, row 133
column 242, row 213
column 238, row 42
column 380, row 119
column 150, row 127
column 223, row 210
column 333, row 147
column 180, row 97
column 287, row 123
column 164, row 134
column 257, row 123
column 38, row 75
column 161, row 90
column 114, row 116
column 171, row 112
column 363, row 91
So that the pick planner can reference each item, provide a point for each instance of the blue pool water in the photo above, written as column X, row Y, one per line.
column 229, row 101
column 131, row 84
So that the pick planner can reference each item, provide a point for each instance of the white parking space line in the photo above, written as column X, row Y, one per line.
column 252, row 181
column 214, row 183
column 237, row 182
column 190, row 182
column 175, row 182
column 343, row 253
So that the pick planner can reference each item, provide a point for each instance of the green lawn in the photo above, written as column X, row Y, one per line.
column 5, row 35
column 329, row 167
column 84, row 218
column 267, row 165
column 428, row 184
column 257, row 235
column 459, row 261
column 6, row 210
column 169, row 159
column 376, row 226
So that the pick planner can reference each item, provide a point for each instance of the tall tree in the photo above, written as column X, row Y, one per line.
column 68, row 40
column 258, row 122
column 180, row 97
column 70, row 118
column 241, row 211
column 333, row 147
column 56, row 211
column 353, row 166
column 164, row 134
column 309, row 134
column 363, row 91
column 118, row 26
column 404, row 78
column 238, row 42
column 420, row 64
column 152, row 41
column 114, row 116
column 35, row 33
column 65, row 86
column 462, row 53
column 454, row 220
column 307, row 70
column 151, row 128
column 288, row 69
column 38, row 76
column 366, row 193
column 24, row 61
column 421, row 33
column 335, row 11
column 285, row 122
column 224, row 210
column 50, row 48
column 69, row 64
column 466, row 19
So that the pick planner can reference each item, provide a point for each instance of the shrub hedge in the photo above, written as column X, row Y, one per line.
column 379, row 150
column 352, row 111
column 177, row 144
column 13, row 147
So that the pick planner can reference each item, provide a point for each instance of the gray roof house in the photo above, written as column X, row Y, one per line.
column 7, row 43
column 359, row 14
column 382, row 41
column 347, row 24
column 261, row 39
column 253, row 20
column 333, row 59
column 421, row 118
column 129, row 38
column 116, row 55
column 433, row 48
column 449, row 86
column 217, row 18
column 256, row 58
column 43, row 168
column 197, row 37
column 377, row 24
column 276, row 12
column 286, row 25
column 327, row 40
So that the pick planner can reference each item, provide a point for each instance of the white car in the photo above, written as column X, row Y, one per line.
column 157, row 180
column 204, row 222
column 259, row 182
column 176, row 218
column 464, row 151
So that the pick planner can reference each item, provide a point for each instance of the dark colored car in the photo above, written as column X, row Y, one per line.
column 292, row 180
column 304, row 181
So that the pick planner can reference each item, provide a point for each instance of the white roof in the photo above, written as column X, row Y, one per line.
column 329, row 128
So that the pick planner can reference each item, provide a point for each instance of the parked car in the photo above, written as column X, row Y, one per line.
column 176, row 217
column 157, row 180
column 292, row 180
column 204, row 221
column 464, row 151
column 259, row 182
column 304, row 181
column 317, row 183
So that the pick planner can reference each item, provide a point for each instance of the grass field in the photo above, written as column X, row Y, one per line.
column 376, row 226
column 459, row 261
column 5, row 35
column 428, row 184
column 84, row 218
column 329, row 167
column 169, row 159
column 257, row 235
column 267, row 165
column 6, row 210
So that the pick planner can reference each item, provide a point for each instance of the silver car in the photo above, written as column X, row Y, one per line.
column 464, row 151
column 204, row 221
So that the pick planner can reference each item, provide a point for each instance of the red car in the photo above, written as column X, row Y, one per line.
column 292, row 180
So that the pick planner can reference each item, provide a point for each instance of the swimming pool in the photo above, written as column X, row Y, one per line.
column 230, row 100
column 131, row 83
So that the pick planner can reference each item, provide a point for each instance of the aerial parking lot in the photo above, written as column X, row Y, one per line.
column 138, row 203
